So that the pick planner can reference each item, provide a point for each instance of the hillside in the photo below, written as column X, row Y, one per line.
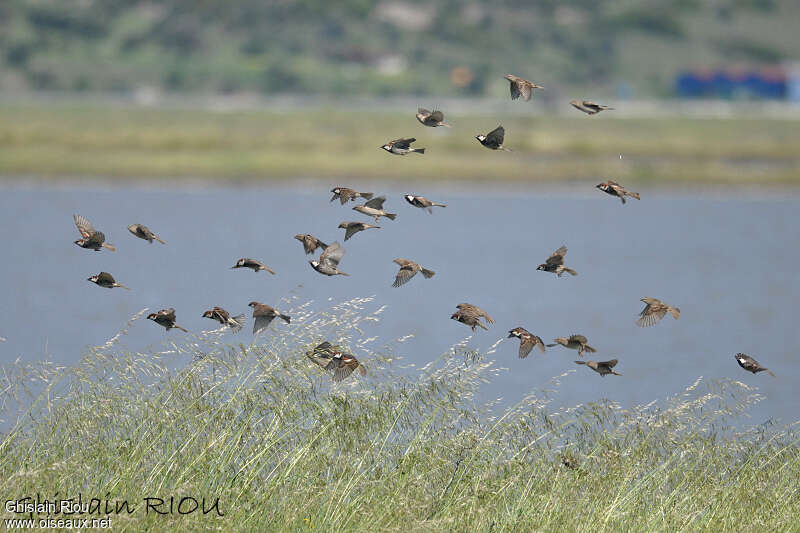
column 444, row 47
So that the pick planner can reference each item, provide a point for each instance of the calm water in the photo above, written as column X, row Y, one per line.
column 729, row 263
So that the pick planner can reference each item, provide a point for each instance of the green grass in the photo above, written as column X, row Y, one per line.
column 117, row 142
column 404, row 449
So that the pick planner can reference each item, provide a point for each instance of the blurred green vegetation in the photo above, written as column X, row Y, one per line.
column 380, row 48
column 131, row 142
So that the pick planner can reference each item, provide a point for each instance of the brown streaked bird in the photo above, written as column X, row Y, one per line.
column 615, row 189
column 574, row 342
column 334, row 359
column 223, row 317
column 431, row 118
column 246, row 262
column 468, row 318
column 106, row 280
column 555, row 263
column 422, row 202
column 345, row 195
column 601, row 367
column 402, row 147
column 494, row 139
column 527, row 341
column 328, row 263
column 143, row 232
column 475, row 310
column 91, row 239
column 751, row 365
column 409, row 269
column 654, row 310
column 351, row 228
column 166, row 318
column 521, row 87
column 589, row 107
column 374, row 208
column 264, row 315
column 311, row 243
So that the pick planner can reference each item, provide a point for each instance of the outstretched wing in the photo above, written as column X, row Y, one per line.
column 650, row 317
column 84, row 226
column 525, row 89
column 377, row 202
column 403, row 143
column 403, row 275
column 351, row 230
column 514, row 88
column 578, row 338
column 261, row 323
column 496, row 136
column 332, row 254
column 526, row 345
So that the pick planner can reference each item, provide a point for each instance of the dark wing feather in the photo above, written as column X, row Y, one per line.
column 376, row 203
column 403, row 143
column 496, row 136
column 261, row 323
column 438, row 116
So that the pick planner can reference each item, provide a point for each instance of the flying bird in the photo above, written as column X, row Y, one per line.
column 345, row 195
column 574, row 342
column 223, row 317
column 402, row 147
column 654, row 310
column 351, row 228
column 589, row 107
column 246, row 262
column 264, row 315
column 615, row 189
column 555, row 263
column 408, row 269
column 468, row 318
column 166, row 318
column 422, row 202
column 374, row 208
column 143, row 232
column 91, row 239
column 751, row 365
column 494, row 139
column 475, row 310
column 521, row 87
column 311, row 243
column 328, row 263
column 431, row 118
column 527, row 341
column 601, row 367
column 334, row 359
column 106, row 280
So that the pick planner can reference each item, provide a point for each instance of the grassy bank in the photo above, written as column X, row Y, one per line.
column 261, row 146
column 404, row 449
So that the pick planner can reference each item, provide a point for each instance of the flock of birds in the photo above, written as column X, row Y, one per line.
column 334, row 358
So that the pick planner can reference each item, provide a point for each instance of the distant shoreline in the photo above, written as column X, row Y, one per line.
column 74, row 141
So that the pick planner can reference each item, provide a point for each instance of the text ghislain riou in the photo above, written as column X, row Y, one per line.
column 182, row 505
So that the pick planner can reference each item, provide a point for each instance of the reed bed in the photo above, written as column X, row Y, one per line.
column 266, row 434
